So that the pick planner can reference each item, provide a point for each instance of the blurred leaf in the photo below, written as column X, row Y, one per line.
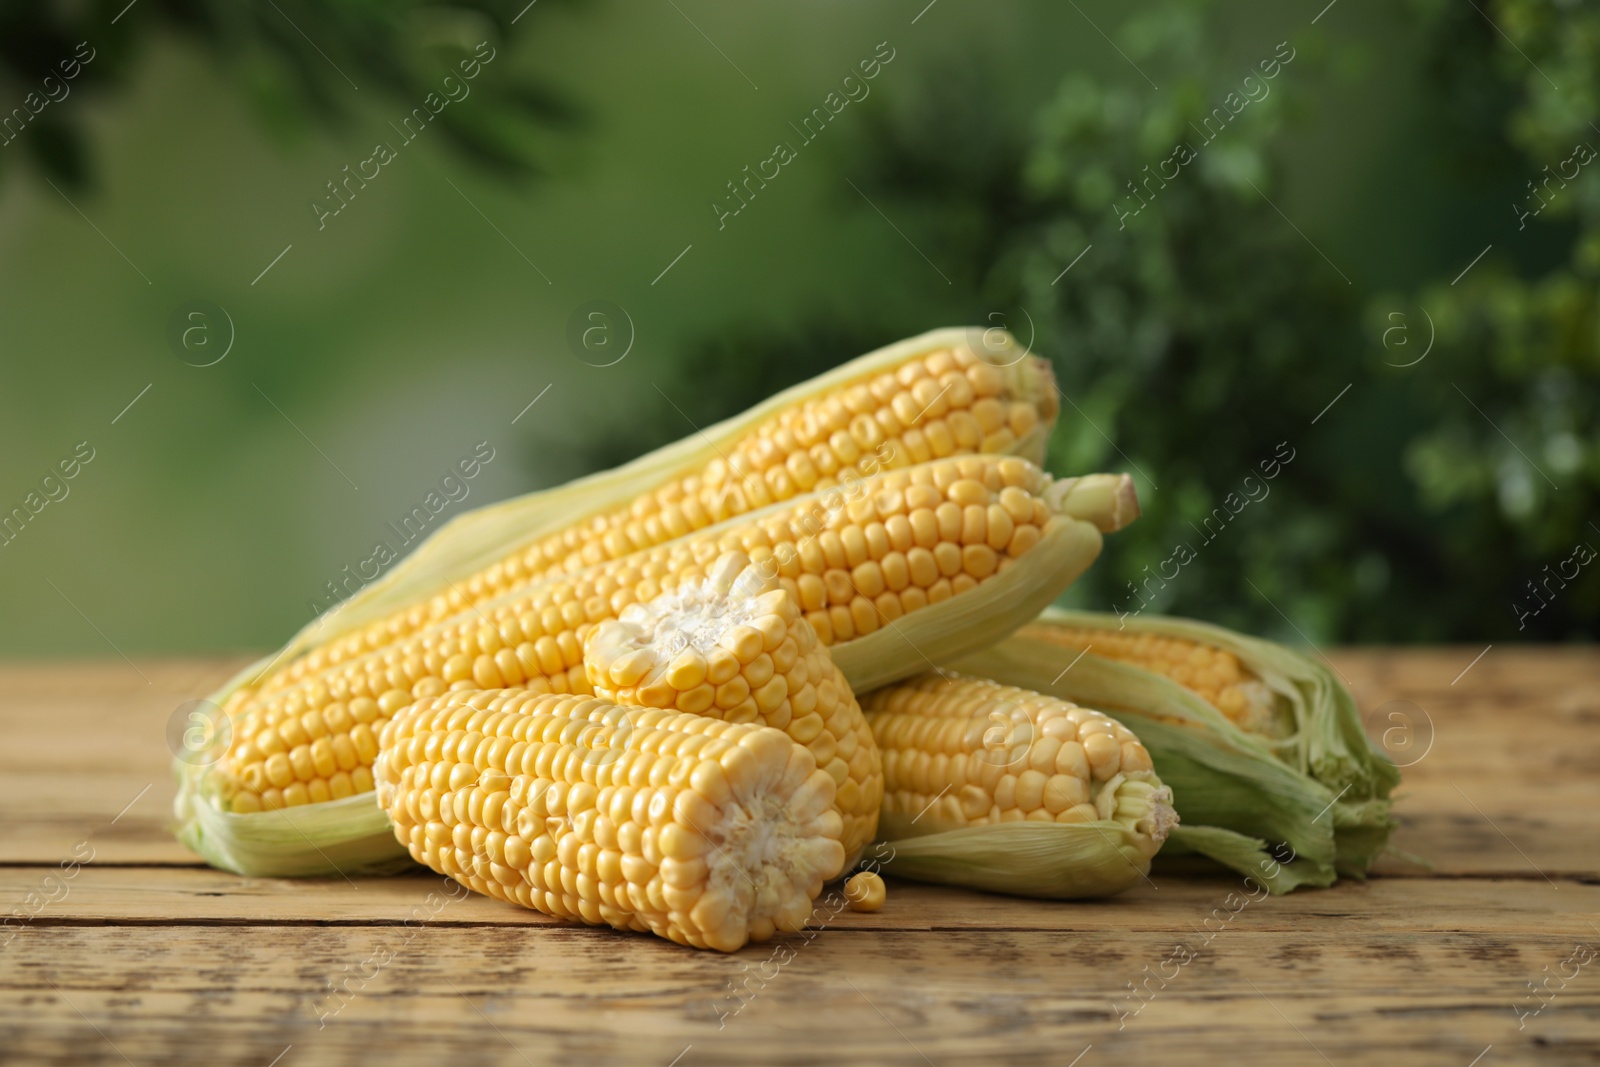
column 58, row 149
column 298, row 62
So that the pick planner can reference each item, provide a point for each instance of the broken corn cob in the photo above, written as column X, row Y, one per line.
column 930, row 402
column 900, row 559
column 966, row 760
column 735, row 646
column 706, row 832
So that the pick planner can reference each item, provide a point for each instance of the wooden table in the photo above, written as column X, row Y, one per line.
column 136, row 953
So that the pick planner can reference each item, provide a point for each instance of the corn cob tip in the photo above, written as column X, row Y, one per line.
column 735, row 647
column 1107, row 501
column 1139, row 802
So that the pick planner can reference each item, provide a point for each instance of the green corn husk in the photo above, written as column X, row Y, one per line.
column 353, row 834
column 1298, row 809
column 1056, row 861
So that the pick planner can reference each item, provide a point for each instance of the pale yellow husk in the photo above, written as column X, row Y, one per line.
column 1033, row 859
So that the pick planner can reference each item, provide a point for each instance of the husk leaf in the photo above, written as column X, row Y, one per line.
column 1048, row 860
column 1244, row 854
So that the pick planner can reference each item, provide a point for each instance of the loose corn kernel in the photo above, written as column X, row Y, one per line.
column 865, row 891
column 736, row 647
column 706, row 832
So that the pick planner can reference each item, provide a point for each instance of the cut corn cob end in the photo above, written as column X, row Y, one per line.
column 735, row 646
column 705, row 832
column 962, row 752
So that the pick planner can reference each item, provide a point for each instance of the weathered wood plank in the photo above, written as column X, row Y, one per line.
column 200, row 895
column 1499, row 766
column 86, row 739
column 207, row 995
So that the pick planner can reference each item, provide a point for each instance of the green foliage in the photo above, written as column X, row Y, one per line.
column 296, row 61
column 1518, row 482
column 1201, row 337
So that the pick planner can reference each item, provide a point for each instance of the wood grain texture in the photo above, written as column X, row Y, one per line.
column 562, row 995
column 144, row 956
column 178, row 896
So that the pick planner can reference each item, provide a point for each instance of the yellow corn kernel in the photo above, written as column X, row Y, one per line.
column 865, row 891
column 706, row 832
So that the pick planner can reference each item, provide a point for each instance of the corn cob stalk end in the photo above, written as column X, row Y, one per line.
column 1107, row 501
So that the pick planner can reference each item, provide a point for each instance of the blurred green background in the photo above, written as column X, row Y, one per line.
column 1407, row 182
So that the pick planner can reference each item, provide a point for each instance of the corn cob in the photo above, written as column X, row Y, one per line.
column 967, row 751
column 926, row 405
column 929, row 407
column 961, row 529
column 735, row 647
column 1264, row 747
column 1001, row 788
column 866, row 569
column 706, row 832
column 1213, row 674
